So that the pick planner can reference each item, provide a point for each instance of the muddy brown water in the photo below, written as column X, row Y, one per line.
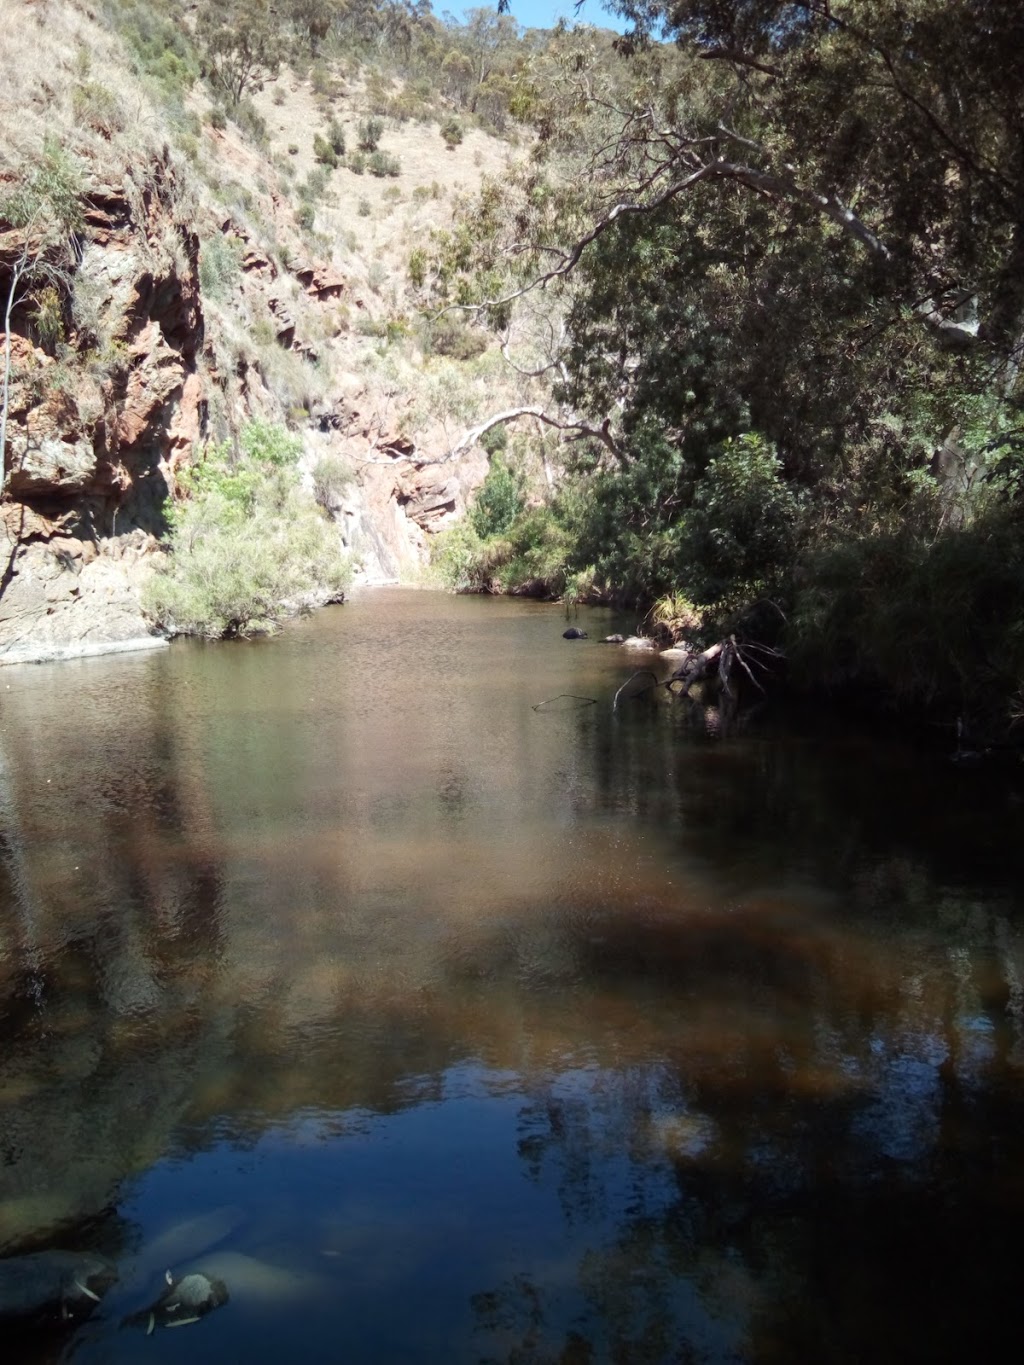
column 444, row 1029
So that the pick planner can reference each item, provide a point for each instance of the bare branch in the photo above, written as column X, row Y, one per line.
column 583, row 429
column 555, row 364
column 580, row 430
column 743, row 664
column 19, row 270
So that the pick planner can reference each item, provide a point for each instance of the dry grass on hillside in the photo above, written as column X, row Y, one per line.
column 67, row 78
column 369, row 224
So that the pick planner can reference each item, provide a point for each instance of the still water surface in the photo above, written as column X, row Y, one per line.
column 448, row 1030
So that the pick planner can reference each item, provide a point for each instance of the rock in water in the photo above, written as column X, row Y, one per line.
column 53, row 1285
column 614, row 640
column 574, row 633
column 183, row 1301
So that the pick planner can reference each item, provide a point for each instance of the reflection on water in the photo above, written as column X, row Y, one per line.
column 444, row 1029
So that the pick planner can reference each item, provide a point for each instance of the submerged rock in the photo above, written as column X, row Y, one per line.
column 614, row 640
column 183, row 1301
column 574, row 633
column 53, row 1285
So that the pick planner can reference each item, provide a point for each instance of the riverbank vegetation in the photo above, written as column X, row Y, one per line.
column 781, row 251
column 748, row 304
column 249, row 547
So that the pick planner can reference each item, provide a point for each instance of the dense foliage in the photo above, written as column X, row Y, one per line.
column 786, row 245
column 248, row 546
column 781, row 244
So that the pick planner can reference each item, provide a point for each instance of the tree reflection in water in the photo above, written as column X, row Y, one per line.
column 743, row 1020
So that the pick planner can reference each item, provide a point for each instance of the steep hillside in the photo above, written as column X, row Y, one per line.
column 174, row 270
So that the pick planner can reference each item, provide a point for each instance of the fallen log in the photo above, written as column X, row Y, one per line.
column 696, row 668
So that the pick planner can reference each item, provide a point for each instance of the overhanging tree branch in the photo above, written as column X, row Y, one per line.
column 764, row 182
column 732, row 54
column 581, row 429
column 822, row 9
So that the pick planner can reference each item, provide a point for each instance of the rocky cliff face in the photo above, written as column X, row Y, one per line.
column 93, row 436
column 198, row 297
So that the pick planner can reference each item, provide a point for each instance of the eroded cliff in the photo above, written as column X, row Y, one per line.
column 188, row 300
column 95, row 429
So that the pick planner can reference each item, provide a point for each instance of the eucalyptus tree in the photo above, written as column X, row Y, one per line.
column 786, row 241
column 243, row 43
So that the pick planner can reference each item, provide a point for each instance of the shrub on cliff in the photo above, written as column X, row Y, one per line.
column 248, row 547
column 370, row 132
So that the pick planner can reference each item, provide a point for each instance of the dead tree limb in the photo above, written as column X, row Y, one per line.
column 580, row 429
column 696, row 668
column 640, row 673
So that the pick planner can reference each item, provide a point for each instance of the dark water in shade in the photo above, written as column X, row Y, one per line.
column 446, row 1030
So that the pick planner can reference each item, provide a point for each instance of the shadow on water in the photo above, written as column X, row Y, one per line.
column 333, row 967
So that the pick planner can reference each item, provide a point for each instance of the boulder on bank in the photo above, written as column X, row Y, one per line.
column 183, row 1301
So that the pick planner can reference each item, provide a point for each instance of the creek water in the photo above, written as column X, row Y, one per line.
column 446, row 1029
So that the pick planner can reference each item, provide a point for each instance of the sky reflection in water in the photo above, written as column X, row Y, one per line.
column 447, row 1030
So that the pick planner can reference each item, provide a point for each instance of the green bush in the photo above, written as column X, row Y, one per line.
column 335, row 135
column 324, row 82
column 499, row 501
column 97, row 107
column 530, row 556
column 924, row 619
column 324, row 153
column 220, row 266
column 164, row 48
column 314, row 187
column 370, row 133
column 495, row 439
column 449, row 336
column 452, row 133
column 331, row 477
column 738, row 539
column 383, row 164
column 248, row 547
column 250, row 121
column 456, row 558
column 534, row 556
column 48, row 321
column 418, row 267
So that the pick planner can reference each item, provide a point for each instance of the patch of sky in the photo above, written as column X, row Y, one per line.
column 546, row 13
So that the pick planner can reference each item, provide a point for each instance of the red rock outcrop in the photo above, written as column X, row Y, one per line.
column 98, row 420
